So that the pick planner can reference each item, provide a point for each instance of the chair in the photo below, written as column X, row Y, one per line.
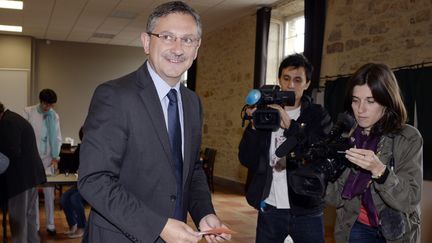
column 68, row 163
column 208, row 165
column 68, row 159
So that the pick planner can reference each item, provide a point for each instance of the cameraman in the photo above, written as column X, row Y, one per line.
column 378, row 199
column 281, row 212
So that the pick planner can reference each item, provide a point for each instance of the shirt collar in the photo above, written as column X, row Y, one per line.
column 162, row 87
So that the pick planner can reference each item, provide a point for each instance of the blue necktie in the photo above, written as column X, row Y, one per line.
column 174, row 131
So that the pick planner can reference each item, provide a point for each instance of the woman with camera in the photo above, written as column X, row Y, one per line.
column 377, row 199
column 282, row 212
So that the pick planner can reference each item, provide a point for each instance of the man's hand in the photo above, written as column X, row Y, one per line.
column 249, row 112
column 209, row 222
column 178, row 232
column 54, row 164
column 285, row 119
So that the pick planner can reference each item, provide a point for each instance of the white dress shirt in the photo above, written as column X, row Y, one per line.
column 162, row 89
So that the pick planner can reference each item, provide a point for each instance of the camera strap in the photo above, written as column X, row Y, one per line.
column 392, row 160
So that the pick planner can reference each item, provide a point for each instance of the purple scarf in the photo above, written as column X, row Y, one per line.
column 358, row 182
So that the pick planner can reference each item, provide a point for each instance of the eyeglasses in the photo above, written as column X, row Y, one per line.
column 169, row 39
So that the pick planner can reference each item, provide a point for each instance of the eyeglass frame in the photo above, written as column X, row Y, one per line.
column 183, row 40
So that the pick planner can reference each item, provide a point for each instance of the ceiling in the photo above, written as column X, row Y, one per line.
column 116, row 22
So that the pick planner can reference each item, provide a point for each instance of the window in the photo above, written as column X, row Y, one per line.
column 183, row 78
column 285, row 37
column 274, row 51
column 294, row 36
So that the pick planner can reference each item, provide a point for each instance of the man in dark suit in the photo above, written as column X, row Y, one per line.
column 18, row 183
column 140, row 167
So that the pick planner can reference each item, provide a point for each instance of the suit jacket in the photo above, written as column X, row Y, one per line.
column 126, row 169
column 18, row 143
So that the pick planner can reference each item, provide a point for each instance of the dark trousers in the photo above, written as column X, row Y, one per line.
column 361, row 233
column 73, row 207
column 274, row 225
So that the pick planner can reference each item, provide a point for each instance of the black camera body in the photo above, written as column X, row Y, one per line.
column 265, row 117
column 324, row 161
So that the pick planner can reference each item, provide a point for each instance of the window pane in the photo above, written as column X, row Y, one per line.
column 294, row 36
column 183, row 78
column 273, row 56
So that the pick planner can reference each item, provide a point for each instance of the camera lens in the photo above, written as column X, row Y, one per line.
column 268, row 117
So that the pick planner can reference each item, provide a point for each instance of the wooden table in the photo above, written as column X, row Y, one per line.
column 61, row 179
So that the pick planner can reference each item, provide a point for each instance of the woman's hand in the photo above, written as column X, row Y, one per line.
column 367, row 160
column 285, row 119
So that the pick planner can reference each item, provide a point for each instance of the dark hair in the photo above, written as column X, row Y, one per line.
column 2, row 108
column 48, row 96
column 385, row 90
column 169, row 8
column 297, row 60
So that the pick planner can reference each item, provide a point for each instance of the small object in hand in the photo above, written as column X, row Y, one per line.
column 217, row 231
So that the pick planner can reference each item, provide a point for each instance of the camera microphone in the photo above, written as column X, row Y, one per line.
column 253, row 97
column 286, row 147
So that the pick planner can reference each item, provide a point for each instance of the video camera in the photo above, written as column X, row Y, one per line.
column 324, row 161
column 265, row 117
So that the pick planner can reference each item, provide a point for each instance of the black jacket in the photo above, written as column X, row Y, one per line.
column 18, row 143
column 254, row 154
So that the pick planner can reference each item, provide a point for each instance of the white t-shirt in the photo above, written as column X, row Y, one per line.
column 278, row 195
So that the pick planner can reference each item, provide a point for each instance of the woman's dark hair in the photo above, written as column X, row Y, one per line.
column 1, row 108
column 385, row 90
column 48, row 96
column 297, row 60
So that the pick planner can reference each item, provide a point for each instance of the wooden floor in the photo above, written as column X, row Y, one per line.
column 230, row 206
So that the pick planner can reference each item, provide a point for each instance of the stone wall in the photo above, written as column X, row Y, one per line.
column 395, row 32
column 224, row 77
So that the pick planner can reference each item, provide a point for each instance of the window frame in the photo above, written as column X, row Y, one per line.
column 272, row 68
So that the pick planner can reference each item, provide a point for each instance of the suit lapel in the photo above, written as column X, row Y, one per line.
column 153, row 106
column 187, row 114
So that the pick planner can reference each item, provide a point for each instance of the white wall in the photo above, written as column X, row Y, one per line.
column 14, row 89
column 73, row 70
